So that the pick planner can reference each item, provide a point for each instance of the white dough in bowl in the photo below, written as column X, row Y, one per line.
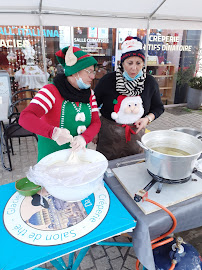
column 65, row 176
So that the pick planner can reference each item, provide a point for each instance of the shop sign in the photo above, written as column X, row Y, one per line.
column 84, row 40
column 13, row 43
column 157, row 44
column 168, row 47
column 92, row 49
column 34, row 32
column 161, row 38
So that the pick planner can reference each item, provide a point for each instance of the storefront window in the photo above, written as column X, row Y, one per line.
column 163, row 59
column 54, row 39
column 172, row 59
column 174, row 56
column 100, row 43
column 21, row 54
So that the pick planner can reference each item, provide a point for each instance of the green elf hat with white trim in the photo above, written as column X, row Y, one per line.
column 73, row 60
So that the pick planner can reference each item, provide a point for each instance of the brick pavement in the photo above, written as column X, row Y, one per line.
column 107, row 257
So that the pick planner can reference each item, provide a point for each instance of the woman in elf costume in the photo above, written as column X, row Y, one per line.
column 65, row 114
column 130, row 100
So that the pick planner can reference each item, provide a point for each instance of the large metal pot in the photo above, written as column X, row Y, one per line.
column 168, row 166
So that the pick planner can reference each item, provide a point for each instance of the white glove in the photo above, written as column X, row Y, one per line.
column 61, row 136
column 78, row 143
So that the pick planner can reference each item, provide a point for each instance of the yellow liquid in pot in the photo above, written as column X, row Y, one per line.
column 170, row 151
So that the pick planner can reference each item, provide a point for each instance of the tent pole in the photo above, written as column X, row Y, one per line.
column 152, row 14
column 148, row 29
column 42, row 42
column 72, row 35
column 147, row 42
column 116, row 48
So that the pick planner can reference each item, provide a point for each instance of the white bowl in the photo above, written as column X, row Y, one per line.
column 76, row 192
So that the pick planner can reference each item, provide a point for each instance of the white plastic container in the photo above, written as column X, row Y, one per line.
column 76, row 185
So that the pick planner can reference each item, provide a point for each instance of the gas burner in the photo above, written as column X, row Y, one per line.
column 169, row 181
column 160, row 180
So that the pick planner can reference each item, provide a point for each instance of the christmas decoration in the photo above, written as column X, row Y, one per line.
column 127, row 110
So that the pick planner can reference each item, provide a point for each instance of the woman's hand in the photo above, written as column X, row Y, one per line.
column 61, row 136
column 141, row 123
column 78, row 143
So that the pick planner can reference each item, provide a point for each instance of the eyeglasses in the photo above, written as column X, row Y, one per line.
column 90, row 72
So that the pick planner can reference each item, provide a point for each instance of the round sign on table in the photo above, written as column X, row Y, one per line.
column 50, row 221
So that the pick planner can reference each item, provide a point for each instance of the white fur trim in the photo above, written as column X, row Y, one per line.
column 139, row 99
column 114, row 115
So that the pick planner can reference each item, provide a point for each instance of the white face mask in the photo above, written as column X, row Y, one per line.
column 81, row 84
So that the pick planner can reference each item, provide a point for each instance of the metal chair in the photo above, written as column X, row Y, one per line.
column 20, row 99
column 13, row 129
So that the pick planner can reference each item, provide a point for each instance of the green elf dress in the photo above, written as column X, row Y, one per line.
column 48, row 109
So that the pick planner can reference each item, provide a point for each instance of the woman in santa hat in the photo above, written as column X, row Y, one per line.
column 65, row 114
column 129, row 100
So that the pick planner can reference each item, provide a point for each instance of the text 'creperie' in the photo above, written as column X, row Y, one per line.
column 160, row 38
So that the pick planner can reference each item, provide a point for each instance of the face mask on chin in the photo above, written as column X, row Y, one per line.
column 81, row 84
column 128, row 78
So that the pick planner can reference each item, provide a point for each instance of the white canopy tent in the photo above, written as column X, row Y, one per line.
column 166, row 14
column 144, row 14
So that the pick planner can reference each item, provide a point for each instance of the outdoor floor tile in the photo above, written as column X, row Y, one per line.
column 124, row 250
column 106, row 257
column 113, row 252
column 130, row 262
column 102, row 264
column 117, row 263
column 86, row 263
column 97, row 252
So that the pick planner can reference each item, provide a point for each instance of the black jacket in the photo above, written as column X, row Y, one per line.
column 105, row 93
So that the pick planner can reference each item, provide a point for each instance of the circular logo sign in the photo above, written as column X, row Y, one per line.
column 46, row 221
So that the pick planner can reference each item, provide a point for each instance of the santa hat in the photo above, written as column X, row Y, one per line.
column 73, row 60
column 117, row 102
column 132, row 46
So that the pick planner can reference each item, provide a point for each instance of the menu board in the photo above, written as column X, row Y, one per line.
column 5, row 93
column 4, row 84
